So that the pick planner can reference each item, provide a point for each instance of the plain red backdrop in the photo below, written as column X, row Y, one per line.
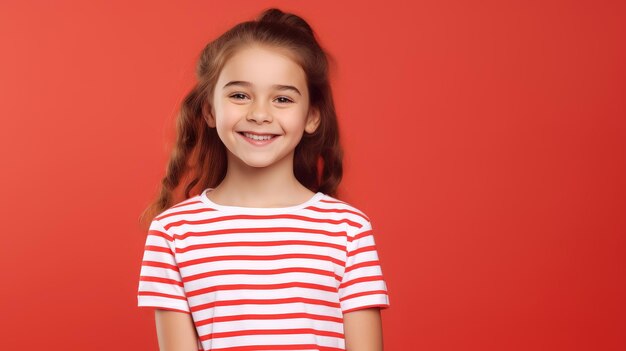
column 485, row 139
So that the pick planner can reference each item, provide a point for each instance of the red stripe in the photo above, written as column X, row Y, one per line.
column 278, row 347
column 337, row 210
column 361, row 265
column 160, row 265
column 360, row 280
column 361, row 250
column 177, row 213
column 333, row 202
column 264, row 302
column 189, row 201
column 263, row 217
column 258, row 230
column 363, row 234
column 258, row 258
column 160, row 234
column 147, row 278
column 159, row 249
column 276, row 316
column 247, row 332
column 261, row 243
column 263, row 272
column 366, row 306
column 364, row 293
column 164, row 308
column 260, row 287
column 152, row 293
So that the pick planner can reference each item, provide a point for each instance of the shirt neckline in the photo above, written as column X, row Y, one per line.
column 259, row 210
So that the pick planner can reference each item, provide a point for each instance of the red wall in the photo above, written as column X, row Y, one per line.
column 485, row 139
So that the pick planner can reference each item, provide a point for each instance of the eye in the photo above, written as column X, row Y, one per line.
column 238, row 96
column 284, row 99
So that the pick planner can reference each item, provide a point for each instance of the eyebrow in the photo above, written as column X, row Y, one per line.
column 275, row 86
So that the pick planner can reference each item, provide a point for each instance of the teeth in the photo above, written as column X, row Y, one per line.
column 257, row 137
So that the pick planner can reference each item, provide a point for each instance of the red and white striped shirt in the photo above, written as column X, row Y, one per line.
column 263, row 278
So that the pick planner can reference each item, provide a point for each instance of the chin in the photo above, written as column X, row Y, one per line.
column 263, row 162
column 259, row 164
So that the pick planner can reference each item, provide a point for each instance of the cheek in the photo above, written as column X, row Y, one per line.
column 294, row 120
column 227, row 115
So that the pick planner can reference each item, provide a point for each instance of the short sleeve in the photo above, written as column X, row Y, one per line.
column 160, row 282
column 363, row 284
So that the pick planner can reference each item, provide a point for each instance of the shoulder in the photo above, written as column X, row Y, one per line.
column 342, row 210
column 333, row 203
column 180, row 211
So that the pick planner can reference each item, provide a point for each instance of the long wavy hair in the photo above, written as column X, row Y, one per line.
column 198, row 159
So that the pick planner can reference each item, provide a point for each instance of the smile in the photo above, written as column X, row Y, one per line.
column 258, row 139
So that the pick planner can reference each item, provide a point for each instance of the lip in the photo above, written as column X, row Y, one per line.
column 258, row 142
column 255, row 133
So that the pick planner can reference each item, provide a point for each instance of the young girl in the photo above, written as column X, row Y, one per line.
column 264, row 257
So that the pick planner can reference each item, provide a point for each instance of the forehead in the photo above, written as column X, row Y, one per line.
column 263, row 67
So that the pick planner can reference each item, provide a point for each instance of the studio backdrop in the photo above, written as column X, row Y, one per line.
column 485, row 140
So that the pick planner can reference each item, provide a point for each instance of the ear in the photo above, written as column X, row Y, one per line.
column 208, row 115
column 313, row 120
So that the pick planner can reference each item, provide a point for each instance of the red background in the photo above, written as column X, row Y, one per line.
column 485, row 139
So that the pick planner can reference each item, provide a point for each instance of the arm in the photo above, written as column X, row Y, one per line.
column 175, row 331
column 363, row 330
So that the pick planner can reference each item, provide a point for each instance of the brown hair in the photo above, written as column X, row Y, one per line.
column 199, row 156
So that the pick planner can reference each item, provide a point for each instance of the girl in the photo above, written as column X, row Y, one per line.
column 264, row 257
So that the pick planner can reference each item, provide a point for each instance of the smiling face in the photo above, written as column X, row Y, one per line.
column 261, row 107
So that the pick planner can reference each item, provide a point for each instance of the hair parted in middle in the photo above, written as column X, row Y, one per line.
column 199, row 155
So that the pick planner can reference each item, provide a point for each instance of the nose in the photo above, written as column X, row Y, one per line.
column 259, row 113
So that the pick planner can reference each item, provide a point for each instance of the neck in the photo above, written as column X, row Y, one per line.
column 272, row 186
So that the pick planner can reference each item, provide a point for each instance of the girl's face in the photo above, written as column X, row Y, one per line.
column 261, row 107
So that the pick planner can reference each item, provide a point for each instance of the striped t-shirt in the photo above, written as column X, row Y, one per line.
column 263, row 278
